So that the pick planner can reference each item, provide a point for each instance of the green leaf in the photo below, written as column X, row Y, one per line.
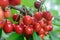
column 53, row 36
column 57, row 2
column 56, row 22
column 29, row 3
column 0, row 33
column 36, row 36
column 15, row 36
column 54, row 12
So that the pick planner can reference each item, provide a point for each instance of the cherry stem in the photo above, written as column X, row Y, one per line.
column 23, row 12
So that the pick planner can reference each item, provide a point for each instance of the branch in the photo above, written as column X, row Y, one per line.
column 21, row 10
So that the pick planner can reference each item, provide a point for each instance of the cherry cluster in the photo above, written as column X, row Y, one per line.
column 41, row 22
column 4, row 14
column 5, row 3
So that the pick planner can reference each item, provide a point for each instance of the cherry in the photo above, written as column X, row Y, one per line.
column 41, row 31
column 1, row 14
column 8, row 27
column 27, row 19
column 47, row 15
column 18, row 29
column 33, row 20
column 41, row 22
column 2, row 22
column 14, row 25
column 42, row 36
column 7, row 13
column 28, row 30
column 37, row 27
column 15, row 2
column 22, row 25
column 16, row 17
column 38, row 15
column 49, row 22
column 4, row 3
column 48, row 28
column 37, row 4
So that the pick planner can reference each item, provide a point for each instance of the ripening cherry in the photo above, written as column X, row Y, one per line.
column 4, row 3
column 48, row 28
column 18, row 29
column 2, row 22
column 8, row 27
column 28, row 30
column 47, row 15
column 27, row 19
column 38, row 15
column 14, row 2
column 16, row 17
column 7, row 13
column 1, row 14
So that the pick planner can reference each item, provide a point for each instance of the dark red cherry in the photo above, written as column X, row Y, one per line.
column 16, row 17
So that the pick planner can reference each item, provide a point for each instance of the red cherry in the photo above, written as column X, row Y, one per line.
column 1, row 14
column 2, row 22
column 18, row 29
column 41, row 22
column 15, row 2
column 7, row 13
column 22, row 25
column 16, row 17
column 42, row 36
column 48, row 28
column 4, row 3
column 37, row 27
column 8, row 27
column 38, row 15
column 41, row 31
column 27, row 19
column 14, row 25
column 33, row 20
column 28, row 30
column 47, row 15
column 49, row 22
